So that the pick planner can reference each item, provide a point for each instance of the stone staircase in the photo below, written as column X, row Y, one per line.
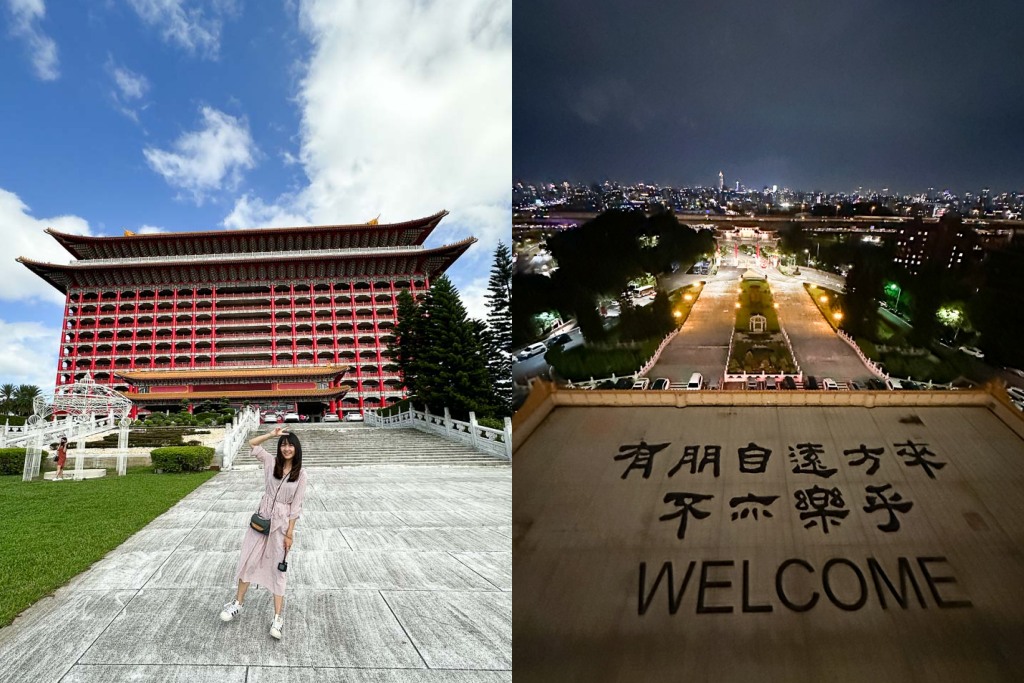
column 354, row 446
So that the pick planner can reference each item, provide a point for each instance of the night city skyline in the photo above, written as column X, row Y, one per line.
column 862, row 95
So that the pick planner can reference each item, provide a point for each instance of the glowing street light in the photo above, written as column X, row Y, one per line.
column 677, row 314
column 775, row 305
column 823, row 299
column 837, row 315
column 688, row 297
column 737, row 304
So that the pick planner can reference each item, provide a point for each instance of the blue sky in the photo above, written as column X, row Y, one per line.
column 170, row 115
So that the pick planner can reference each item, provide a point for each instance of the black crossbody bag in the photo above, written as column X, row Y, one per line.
column 262, row 524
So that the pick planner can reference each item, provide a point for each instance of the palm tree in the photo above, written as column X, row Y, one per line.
column 7, row 392
column 23, row 397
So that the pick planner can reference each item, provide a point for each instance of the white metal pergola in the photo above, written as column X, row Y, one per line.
column 76, row 411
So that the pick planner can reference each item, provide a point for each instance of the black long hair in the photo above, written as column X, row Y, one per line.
column 296, row 459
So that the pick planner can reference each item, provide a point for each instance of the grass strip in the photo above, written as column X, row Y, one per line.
column 53, row 531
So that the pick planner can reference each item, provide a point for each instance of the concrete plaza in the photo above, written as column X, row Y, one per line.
column 398, row 574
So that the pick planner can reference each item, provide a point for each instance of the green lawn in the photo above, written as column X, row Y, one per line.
column 55, row 530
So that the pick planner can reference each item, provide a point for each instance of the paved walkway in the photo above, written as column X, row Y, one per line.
column 703, row 343
column 399, row 574
column 818, row 349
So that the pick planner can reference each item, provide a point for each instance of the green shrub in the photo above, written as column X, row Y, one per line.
column 582, row 363
column 182, row 458
column 12, row 460
column 492, row 422
column 868, row 348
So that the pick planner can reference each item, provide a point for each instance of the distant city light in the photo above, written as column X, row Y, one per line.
column 823, row 299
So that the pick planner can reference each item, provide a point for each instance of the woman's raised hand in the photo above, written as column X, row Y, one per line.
column 278, row 431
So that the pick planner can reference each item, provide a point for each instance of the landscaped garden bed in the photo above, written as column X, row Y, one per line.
column 758, row 345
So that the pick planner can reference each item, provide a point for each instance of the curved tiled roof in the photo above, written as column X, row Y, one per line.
column 294, row 266
column 198, row 375
column 359, row 235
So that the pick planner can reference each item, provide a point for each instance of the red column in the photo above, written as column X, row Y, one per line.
column 174, row 327
column 355, row 345
column 135, row 329
column 295, row 336
column 334, row 326
column 65, row 344
column 273, row 327
column 192, row 350
column 213, row 326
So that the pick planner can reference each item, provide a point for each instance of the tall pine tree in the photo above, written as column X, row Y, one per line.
column 405, row 348
column 452, row 368
column 499, row 325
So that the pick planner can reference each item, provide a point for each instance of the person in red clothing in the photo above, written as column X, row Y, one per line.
column 62, row 456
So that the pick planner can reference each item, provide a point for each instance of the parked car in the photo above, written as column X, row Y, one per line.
column 641, row 384
column 973, row 351
column 770, row 383
column 788, row 383
column 624, row 383
column 829, row 384
column 270, row 418
column 558, row 340
column 532, row 350
column 353, row 417
column 1016, row 393
column 751, row 383
column 696, row 382
column 1019, row 405
column 1016, row 371
column 855, row 386
column 331, row 417
column 876, row 384
column 660, row 384
column 291, row 417
column 811, row 383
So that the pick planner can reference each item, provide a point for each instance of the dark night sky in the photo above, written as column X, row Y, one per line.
column 808, row 94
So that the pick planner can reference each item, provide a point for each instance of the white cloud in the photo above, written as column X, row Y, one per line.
column 252, row 212
column 132, row 85
column 149, row 230
column 130, row 88
column 406, row 109
column 25, row 18
column 209, row 159
column 472, row 295
column 24, row 236
column 194, row 26
column 28, row 354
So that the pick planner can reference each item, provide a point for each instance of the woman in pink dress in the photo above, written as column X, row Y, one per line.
column 284, row 487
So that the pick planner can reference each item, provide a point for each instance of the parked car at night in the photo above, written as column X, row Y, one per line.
column 1016, row 393
column 973, row 351
column 811, row 383
column 660, row 384
column 558, row 340
column 532, row 350
column 829, row 384
column 641, row 383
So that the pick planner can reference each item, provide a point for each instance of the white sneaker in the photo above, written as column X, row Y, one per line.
column 276, row 626
column 230, row 611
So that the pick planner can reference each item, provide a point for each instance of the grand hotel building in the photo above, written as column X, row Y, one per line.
column 290, row 318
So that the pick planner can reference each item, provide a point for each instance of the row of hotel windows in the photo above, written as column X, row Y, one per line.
column 226, row 306
column 111, row 295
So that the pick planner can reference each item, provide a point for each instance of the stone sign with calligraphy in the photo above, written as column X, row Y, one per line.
column 769, row 543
